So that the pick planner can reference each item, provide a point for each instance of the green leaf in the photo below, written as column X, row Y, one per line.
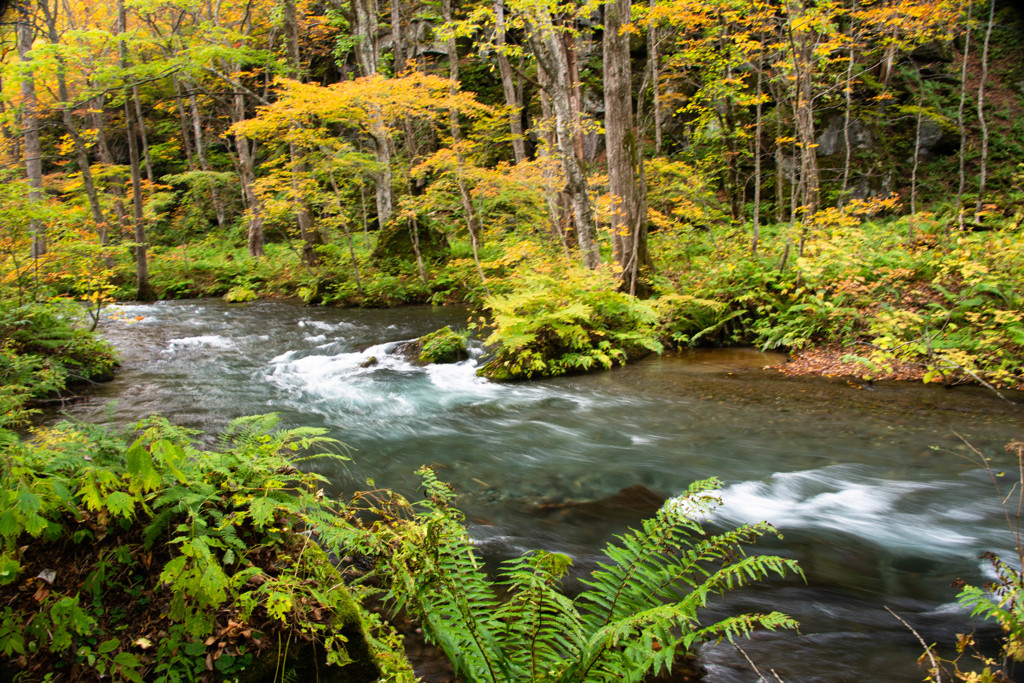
column 261, row 510
column 120, row 504
column 108, row 646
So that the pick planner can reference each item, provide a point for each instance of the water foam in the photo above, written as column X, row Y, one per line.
column 212, row 340
column 895, row 514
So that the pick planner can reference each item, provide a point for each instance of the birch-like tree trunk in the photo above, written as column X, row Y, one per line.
column 802, row 53
column 311, row 236
column 960, row 124
column 983, row 171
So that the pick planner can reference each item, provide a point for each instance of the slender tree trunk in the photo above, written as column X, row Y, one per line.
column 348, row 233
column 30, row 129
column 983, row 172
column 802, row 50
column 545, row 153
column 247, row 176
column 546, row 44
column 311, row 237
column 365, row 12
column 652, row 60
column 780, row 160
column 961, row 126
column 629, row 227
column 917, row 146
column 197, row 127
column 512, row 96
column 144, row 291
column 143, row 138
column 472, row 225
column 756, row 232
column 117, row 191
column 847, row 112
column 70, row 127
column 186, row 139
column 398, row 38
column 414, row 236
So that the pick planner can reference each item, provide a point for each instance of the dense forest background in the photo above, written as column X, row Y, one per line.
column 778, row 173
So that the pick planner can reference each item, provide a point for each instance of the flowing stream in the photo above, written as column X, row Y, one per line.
column 875, row 488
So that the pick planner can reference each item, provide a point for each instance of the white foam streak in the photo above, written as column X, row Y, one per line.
column 895, row 514
column 212, row 340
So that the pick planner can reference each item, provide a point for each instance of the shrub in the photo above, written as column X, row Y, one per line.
column 158, row 559
column 562, row 318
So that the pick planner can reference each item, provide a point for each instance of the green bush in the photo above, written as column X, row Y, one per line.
column 561, row 319
column 161, row 557
column 45, row 347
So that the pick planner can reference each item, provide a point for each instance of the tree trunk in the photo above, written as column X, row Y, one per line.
column 802, row 48
column 546, row 44
column 398, row 38
column 186, row 140
column 629, row 227
column 545, row 154
column 143, row 290
column 652, row 60
column 197, row 126
column 917, row 146
column 365, row 12
column 141, row 123
column 756, row 231
column 512, row 96
column 472, row 224
column 311, row 236
column 117, row 190
column 983, row 172
column 961, row 126
column 847, row 111
column 67, row 119
column 30, row 129
column 247, row 175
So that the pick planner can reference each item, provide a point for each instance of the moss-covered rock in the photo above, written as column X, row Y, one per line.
column 443, row 346
column 237, row 295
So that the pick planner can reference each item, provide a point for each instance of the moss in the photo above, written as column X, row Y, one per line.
column 443, row 346
column 237, row 295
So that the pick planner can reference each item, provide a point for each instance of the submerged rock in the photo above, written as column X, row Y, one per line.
column 632, row 500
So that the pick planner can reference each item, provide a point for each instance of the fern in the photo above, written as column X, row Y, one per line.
column 640, row 609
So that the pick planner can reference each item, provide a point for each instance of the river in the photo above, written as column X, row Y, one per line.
column 875, row 488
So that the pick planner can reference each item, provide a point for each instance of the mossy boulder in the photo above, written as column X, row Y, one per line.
column 443, row 346
column 239, row 294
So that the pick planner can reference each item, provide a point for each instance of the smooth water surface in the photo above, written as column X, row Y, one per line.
column 875, row 488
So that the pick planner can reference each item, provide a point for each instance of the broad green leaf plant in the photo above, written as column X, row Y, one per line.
column 216, row 539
